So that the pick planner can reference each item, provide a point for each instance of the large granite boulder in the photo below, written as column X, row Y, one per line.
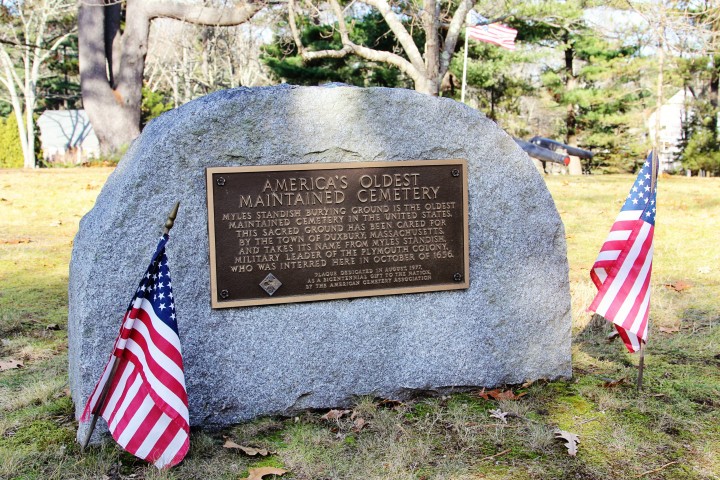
column 511, row 325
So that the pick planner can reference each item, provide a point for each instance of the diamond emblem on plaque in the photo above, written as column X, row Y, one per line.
column 270, row 284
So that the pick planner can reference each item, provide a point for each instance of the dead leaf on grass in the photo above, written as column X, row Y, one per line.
column 335, row 414
column 259, row 473
column 55, row 223
column 499, row 414
column 251, row 451
column 52, row 326
column 669, row 329
column 359, row 423
column 678, row 286
column 10, row 364
column 387, row 403
column 610, row 383
column 498, row 394
column 612, row 336
column 571, row 440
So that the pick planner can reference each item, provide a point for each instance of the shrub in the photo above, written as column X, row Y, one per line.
column 11, row 155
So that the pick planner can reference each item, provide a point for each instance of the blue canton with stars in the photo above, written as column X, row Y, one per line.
column 640, row 197
column 156, row 287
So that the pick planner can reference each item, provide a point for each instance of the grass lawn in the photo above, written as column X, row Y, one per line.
column 671, row 430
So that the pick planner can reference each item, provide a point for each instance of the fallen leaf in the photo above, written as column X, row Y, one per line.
column 612, row 336
column 55, row 223
column 52, row 326
column 499, row 414
column 571, row 440
column 704, row 269
column 335, row 414
column 229, row 444
column 508, row 395
column 498, row 394
column 678, row 286
column 527, row 384
column 610, row 383
column 669, row 329
column 259, row 473
column 359, row 424
column 387, row 403
column 483, row 394
column 10, row 364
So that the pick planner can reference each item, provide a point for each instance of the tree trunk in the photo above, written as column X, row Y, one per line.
column 116, row 121
column 570, row 82
column 29, row 152
column 431, row 25
column 714, row 84
column 112, row 64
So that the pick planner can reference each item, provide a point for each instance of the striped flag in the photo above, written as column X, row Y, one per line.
column 146, row 406
column 495, row 33
column 622, row 269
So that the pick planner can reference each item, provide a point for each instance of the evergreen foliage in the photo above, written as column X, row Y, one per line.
column 596, row 86
column 60, row 88
column 153, row 105
column 498, row 83
column 609, row 102
column 700, row 148
column 11, row 155
column 286, row 65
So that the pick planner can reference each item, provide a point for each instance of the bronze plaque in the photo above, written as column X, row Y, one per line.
column 305, row 232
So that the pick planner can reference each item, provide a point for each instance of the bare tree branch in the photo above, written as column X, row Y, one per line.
column 417, row 75
column 451, row 38
column 201, row 15
column 401, row 33
column 57, row 44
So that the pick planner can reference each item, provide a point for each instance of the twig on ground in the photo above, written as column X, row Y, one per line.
column 657, row 469
column 587, row 421
column 496, row 455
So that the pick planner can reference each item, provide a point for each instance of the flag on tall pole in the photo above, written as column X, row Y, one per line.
column 622, row 270
column 479, row 28
column 141, row 393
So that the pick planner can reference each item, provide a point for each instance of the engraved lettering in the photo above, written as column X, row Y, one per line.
column 336, row 231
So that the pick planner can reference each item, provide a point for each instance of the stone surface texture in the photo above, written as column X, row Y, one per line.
column 512, row 324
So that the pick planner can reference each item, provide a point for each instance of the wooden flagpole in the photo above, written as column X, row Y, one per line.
column 106, row 388
column 655, row 157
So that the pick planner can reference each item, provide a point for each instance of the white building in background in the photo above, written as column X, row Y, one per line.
column 66, row 136
column 673, row 115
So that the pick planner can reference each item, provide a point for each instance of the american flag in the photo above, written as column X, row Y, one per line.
column 494, row 33
column 622, row 269
column 146, row 406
